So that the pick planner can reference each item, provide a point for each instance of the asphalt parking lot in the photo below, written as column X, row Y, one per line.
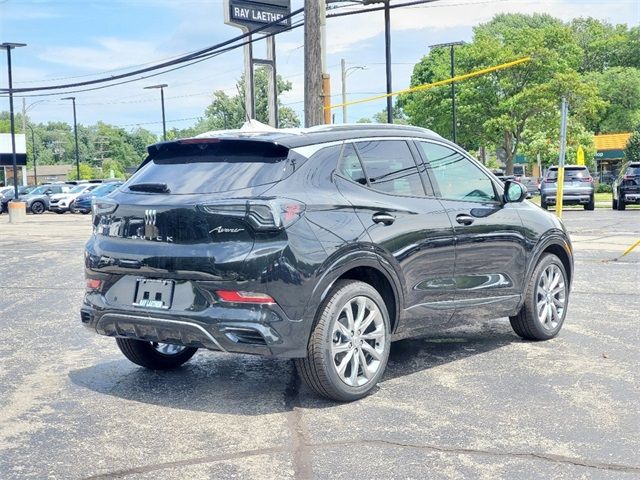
column 473, row 403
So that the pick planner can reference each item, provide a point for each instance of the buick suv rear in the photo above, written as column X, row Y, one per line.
column 322, row 245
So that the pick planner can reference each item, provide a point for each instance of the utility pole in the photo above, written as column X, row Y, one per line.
column 75, row 133
column 35, row 155
column 314, row 11
column 454, row 120
column 564, row 113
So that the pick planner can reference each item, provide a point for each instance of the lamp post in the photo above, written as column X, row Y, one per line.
column 164, row 124
column 345, row 73
column 454, row 121
column 35, row 158
column 75, row 133
column 8, row 46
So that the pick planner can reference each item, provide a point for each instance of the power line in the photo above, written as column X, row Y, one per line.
column 196, row 56
column 199, row 54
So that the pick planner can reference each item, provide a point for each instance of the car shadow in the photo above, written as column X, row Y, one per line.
column 253, row 385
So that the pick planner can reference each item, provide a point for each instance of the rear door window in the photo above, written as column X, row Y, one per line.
column 390, row 167
column 217, row 167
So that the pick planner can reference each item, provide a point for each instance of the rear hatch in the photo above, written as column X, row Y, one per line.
column 574, row 177
column 194, row 207
column 631, row 178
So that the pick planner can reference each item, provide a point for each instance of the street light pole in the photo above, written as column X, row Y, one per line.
column 454, row 121
column 164, row 122
column 8, row 46
column 75, row 133
column 387, row 49
column 35, row 158
column 345, row 73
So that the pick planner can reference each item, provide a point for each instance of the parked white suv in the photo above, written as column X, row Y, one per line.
column 61, row 202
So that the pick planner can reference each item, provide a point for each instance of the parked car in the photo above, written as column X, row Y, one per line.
column 578, row 188
column 321, row 245
column 82, row 203
column 36, row 198
column 626, row 187
column 532, row 183
column 62, row 202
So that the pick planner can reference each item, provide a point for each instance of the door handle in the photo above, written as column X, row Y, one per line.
column 385, row 218
column 463, row 219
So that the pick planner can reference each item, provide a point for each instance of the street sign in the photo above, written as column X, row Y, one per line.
column 252, row 14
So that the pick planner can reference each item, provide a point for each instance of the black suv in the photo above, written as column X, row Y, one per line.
column 321, row 245
column 626, row 187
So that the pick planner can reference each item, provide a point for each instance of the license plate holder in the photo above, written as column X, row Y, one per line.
column 154, row 293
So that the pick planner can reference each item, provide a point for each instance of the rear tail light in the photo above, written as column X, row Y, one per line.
column 93, row 285
column 588, row 179
column 103, row 206
column 262, row 215
column 236, row 296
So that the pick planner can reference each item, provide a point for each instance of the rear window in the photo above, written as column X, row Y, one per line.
column 633, row 170
column 217, row 167
column 569, row 173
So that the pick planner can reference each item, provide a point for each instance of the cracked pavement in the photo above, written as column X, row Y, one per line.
column 475, row 402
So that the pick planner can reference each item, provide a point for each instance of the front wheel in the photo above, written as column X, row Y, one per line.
column 621, row 204
column 154, row 355
column 546, row 299
column 37, row 208
column 543, row 203
column 349, row 345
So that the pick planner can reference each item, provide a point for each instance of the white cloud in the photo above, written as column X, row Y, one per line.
column 109, row 53
column 345, row 33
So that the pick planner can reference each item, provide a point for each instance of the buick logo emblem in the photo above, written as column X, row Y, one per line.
column 150, row 229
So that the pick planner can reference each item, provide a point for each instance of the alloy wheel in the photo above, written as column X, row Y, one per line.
column 551, row 297
column 167, row 348
column 358, row 341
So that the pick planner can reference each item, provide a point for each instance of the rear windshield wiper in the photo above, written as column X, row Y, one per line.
column 150, row 187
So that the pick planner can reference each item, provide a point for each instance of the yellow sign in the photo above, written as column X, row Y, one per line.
column 580, row 156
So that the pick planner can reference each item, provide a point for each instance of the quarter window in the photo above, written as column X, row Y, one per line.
column 350, row 166
column 390, row 167
column 457, row 177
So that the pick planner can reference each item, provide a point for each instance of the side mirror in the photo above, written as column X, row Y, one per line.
column 514, row 192
column 48, row 192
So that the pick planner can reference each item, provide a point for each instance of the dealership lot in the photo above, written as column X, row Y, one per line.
column 477, row 402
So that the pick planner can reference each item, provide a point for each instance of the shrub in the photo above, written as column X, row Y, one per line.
column 604, row 188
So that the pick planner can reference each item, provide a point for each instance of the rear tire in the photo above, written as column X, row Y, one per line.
column 146, row 355
column 347, row 352
column 591, row 205
column 543, row 313
column 614, row 204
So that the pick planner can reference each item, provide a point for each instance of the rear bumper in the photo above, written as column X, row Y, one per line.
column 259, row 330
column 569, row 199
column 631, row 197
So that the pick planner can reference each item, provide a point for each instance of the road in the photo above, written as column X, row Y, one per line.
column 473, row 403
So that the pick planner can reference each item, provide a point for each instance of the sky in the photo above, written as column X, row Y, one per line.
column 76, row 40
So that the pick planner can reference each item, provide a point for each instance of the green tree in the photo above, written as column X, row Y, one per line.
column 87, row 172
column 632, row 152
column 603, row 45
column 497, row 109
column 227, row 111
column 619, row 87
